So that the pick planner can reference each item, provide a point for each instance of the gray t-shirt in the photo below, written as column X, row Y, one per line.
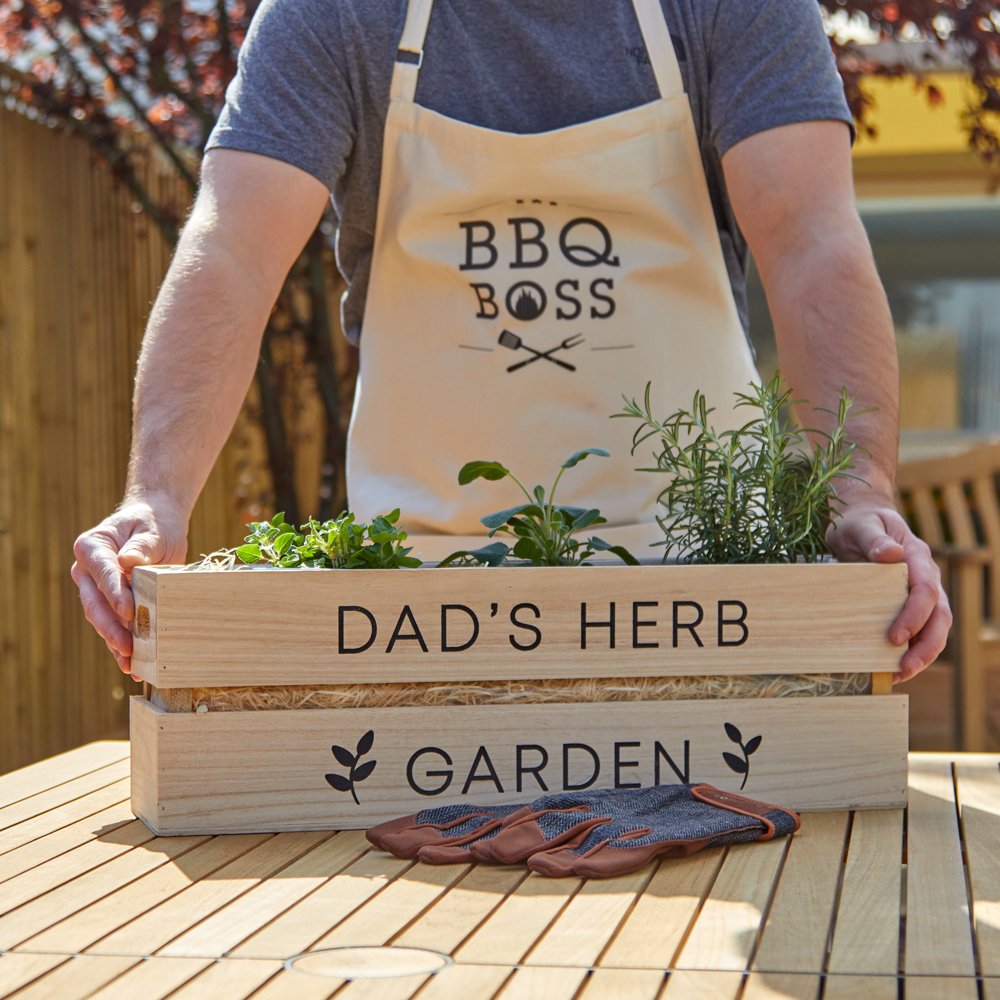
column 313, row 87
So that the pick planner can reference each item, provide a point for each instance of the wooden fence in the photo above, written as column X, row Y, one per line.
column 79, row 270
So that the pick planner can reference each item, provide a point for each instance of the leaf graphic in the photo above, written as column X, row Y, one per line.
column 752, row 745
column 365, row 743
column 739, row 765
column 362, row 772
column 343, row 755
column 339, row 782
column 733, row 733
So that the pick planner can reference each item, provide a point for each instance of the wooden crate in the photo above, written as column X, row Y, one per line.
column 315, row 768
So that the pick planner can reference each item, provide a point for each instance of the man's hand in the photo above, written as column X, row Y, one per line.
column 793, row 194
column 139, row 533
column 873, row 532
column 250, row 221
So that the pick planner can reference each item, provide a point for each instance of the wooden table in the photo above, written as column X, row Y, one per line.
column 91, row 904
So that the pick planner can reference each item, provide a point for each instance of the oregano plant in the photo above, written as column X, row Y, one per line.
column 761, row 492
column 543, row 532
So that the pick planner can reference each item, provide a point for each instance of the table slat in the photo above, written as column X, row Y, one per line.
column 622, row 984
column 469, row 982
column 65, row 794
column 382, row 989
column 228, row 979
column 781, row 986
column 33, row 917
column 37, row 850
column 78, row 978
column 941, row 988
column 519, row 921
column 78, row 932
column 653, row 931
column 18, row 970
column 726, row 929
column 979, row 798
column 866, row 928
column 938, row 928
column 291, row 985
column 52, row 771
column 227, row 927
column 861, row 988
column 297, row 930
column 798, row 924
column 73, row 864
column 583, row 929
column 689, row 984
column 158, row 927
column 402, row 900
column 153, row 979
column 461, row 909
column 536, row 982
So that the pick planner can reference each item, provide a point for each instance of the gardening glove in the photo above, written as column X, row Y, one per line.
column 666, row 821
column 444, row 828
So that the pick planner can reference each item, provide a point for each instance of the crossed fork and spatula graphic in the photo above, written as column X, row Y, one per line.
column 514, row 342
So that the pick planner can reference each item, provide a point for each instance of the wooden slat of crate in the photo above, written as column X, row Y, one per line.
column 146, row 934
column 220, row 933
column 153, row 979
column 204, row 621
column 725, row 932
column 232, row 772
column 866, row 930
column 60, row 769
column 652, row 932
column 80, row 977
column 938, row 926
column 63, row 794
column 79, row 931
column 37, row 851
column 979, row 799
column 794, row 939
column 297, row 930
column 584, row 928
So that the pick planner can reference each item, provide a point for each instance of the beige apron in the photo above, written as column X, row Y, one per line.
column 520, row 284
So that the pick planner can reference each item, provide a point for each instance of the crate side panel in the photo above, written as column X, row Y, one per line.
column 144, row 624
column 144, row 747
column 269, row 627
column 263, row 771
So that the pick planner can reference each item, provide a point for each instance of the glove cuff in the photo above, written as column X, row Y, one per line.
column 776, row 819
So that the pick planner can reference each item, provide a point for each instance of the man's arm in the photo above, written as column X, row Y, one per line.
column 792, row 191
column 250, row 221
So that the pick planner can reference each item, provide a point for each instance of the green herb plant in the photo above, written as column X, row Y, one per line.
column 759, row 493
column 341, row 543
column 543, row 531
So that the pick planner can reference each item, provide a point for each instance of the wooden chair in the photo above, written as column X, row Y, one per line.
column 952, row 503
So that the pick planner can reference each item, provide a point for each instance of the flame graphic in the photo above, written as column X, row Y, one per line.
column 527, row 306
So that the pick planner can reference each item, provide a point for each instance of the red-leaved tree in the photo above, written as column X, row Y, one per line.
column 129, row 74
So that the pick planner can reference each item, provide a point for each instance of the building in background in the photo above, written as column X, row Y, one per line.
column 932, row 212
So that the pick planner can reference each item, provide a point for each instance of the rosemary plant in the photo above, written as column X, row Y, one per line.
column 759, row 493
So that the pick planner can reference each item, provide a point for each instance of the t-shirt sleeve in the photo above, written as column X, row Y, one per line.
column 770, row 64
column 290, row 98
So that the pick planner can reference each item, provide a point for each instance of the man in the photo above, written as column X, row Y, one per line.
column 542, row 206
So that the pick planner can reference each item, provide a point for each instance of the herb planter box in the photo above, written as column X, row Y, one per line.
column 570, row 679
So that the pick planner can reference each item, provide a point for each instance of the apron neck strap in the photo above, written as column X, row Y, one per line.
column 410, row 55
column 660, row 48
